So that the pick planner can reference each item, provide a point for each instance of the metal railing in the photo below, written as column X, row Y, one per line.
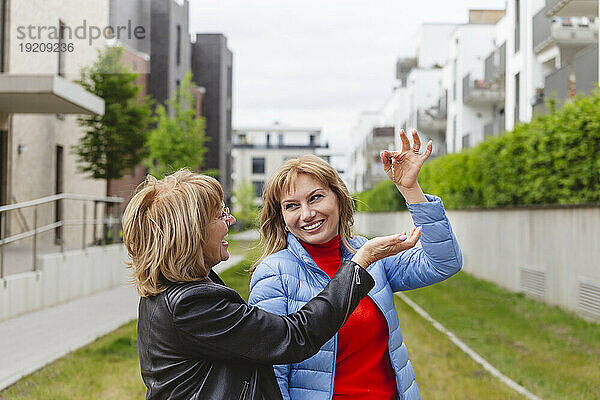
column 109, row 222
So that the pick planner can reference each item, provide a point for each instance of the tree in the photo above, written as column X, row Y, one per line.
column 116, row 141
column 178, row 141
column 246, row 213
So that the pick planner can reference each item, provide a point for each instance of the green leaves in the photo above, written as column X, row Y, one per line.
column 382, row 197
column 178, row 140
column 115, row 142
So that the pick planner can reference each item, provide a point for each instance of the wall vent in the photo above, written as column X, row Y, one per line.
column 533, row 283
column 589, row 299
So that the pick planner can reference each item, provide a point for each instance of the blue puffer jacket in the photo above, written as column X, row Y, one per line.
column 288, row 279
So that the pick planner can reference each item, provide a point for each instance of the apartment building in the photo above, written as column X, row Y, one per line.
column 258, row 151
column 212, row 68
column 417, row 102
column 471, row 100
column 565, row 44
column 39, row 105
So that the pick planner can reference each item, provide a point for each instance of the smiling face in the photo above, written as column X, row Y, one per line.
column 311, row 210
column 216, row 247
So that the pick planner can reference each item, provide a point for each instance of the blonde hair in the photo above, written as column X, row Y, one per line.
column 164, row 229
column 272, row 225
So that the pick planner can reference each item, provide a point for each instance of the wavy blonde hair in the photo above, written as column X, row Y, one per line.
column 164, row 229
column 272, row 224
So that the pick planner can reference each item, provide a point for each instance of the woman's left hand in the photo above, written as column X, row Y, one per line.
column 403, row 166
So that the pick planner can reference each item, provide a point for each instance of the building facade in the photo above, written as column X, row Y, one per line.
column 212, row 68
column 39, row 105
column 259, row 151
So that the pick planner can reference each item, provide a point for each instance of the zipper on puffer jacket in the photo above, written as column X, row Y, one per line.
column 244, row 390
column 355, row 279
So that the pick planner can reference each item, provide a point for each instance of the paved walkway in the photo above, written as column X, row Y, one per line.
column 30, row 341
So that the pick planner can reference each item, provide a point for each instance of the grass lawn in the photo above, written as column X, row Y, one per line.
column 550, row 352
column 106, row 369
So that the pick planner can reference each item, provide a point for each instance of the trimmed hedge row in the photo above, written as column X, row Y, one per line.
column 554, row 159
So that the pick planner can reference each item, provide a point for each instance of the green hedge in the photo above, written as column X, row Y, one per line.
column 383, row 197
column 554, row 159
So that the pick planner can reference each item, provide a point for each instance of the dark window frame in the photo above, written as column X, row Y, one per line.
column 258, row 165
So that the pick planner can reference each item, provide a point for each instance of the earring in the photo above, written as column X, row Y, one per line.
column 286, row 228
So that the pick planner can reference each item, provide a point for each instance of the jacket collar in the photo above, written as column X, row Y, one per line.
column 300, row 252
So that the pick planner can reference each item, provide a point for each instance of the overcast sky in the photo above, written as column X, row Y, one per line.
column 318, row 63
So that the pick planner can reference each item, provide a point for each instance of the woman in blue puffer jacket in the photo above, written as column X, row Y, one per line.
column 306, row 225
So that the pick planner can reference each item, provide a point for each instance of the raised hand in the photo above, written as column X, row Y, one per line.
column 403, row 166
column 386, row 246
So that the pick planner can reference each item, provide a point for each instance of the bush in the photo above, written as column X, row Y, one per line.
column 382, row 197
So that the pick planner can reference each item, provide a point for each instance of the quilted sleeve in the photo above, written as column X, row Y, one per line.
column 267, row 293
column 439, row 256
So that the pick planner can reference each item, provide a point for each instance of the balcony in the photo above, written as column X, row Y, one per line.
column 477, row 91
column 572, row 8
column 403, row 67
column 556, row 87
column 429, row 120
column 46, row 94
column 571, row 33
column 585, row 67
column 495, row 65
column 495, row 127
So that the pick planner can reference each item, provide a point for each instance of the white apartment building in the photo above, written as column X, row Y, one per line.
column 257, row 152
column 471, row 100
column 415, row 103
column 565, row 44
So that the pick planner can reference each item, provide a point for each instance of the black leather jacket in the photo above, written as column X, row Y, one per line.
column 201, row 340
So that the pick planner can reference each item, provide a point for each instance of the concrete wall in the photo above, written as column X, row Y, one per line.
column 63, row 277
column 550, row 254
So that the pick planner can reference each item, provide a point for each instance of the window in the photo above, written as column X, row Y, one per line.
column 178, row 50
column 517, row 96
column 2, row 34
column 58, row 186
column 466, row 141
column 455, row 70
column 3, row 175
column 258, row 187
column 517, row 25
column 258, row 165
column 455, row 137
column 61, row 54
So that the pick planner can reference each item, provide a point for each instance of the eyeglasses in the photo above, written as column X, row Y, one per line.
column 225, row 215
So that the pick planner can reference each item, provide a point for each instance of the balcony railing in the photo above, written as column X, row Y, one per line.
column 278, row 146
column 477, row 91
column 495, row 65
column 567, row 8
column 109, row 220
column 557, row 84
column 431, row 119
column 494, row 128
column 563, row 32
column 585, row 66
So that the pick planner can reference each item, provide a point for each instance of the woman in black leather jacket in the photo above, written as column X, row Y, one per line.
column 197, row 338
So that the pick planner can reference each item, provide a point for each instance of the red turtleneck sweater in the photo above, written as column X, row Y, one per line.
column 362, row 367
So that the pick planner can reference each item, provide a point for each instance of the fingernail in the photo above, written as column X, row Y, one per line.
column 402, row 237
